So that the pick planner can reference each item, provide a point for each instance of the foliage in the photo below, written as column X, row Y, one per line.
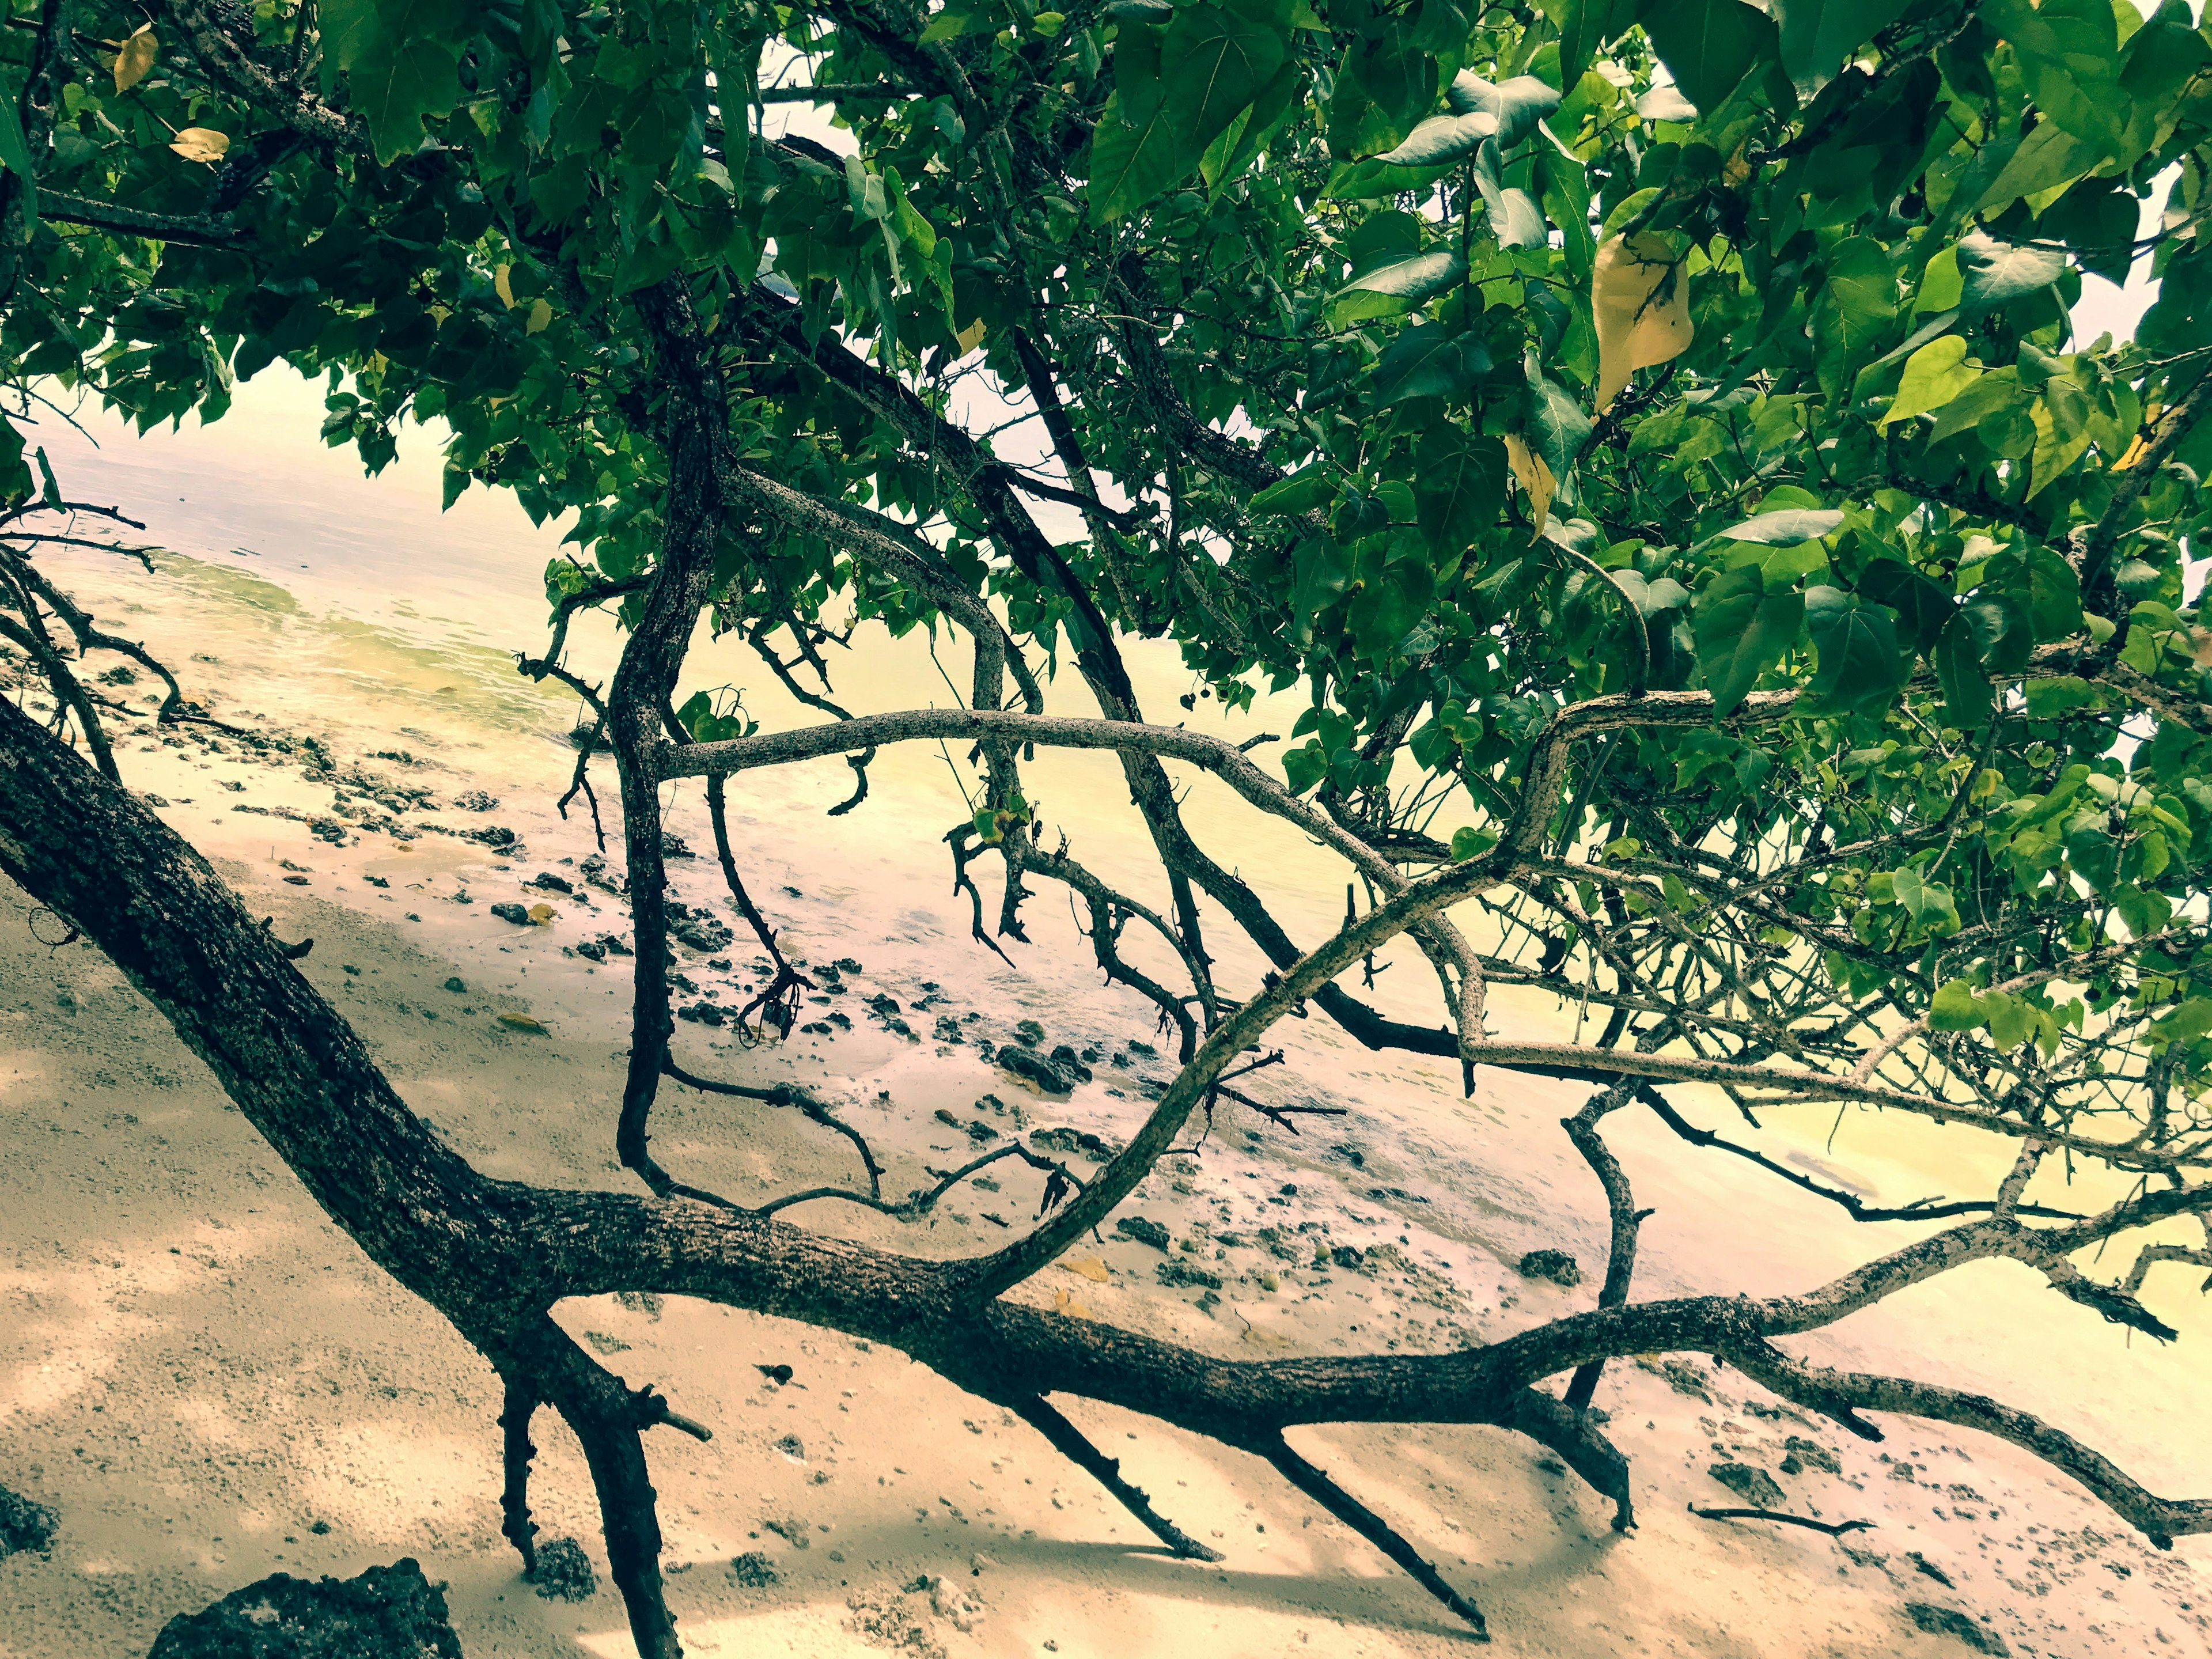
column 1654, row 434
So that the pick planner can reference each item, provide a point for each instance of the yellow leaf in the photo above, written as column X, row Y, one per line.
column 541, row 313
column 506, row 290
column 1064, row 1303
column 1639, row 323
column 541, row 913
column 1535, row 477
column 137, row 58
column 1089, row 1265
column 202, row 144
column 971, row 336
column 523, row 1022
column 2152, row 415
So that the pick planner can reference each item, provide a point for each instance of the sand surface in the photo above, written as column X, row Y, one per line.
column 209, row 1384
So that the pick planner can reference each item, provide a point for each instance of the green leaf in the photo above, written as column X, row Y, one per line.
column 1954, row 1007
column 2048, row 699
column 1992, row 273
column 1818, row 35
column 1469, row 842
column 1393, row 289
column 1854, row 308
column 1441, row 140
column 1556, row 424
column 14, row 150
column 1933, row 376
column 1584, row 26
column 1783, row 528
column 395, row 83
column 2045, row 585
column 1459, row 485
column 1304, row 768
column 2047, row 158
column 2191, row 1020
column 1709, row 46
column 1930, row 910
column 1131, row 165
column 1516, row 105
column 1299, row 494
column 1214, row 62
column 1427, row 361
column 2068, row 52
column 1858, row 665
column 1923, row 608
column 1742, row 631
column 1999, row 627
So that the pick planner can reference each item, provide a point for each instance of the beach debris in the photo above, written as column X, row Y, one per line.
column 523, row 1022
column 1750, row 1483
column 1949, row 1621
column 476, row 800
column 541, row 913
column 563, row 1571
column 794, row 1448
column 754, row 1571
column 1062, row 1138
column 492, row 835
column 673, row 846
column 1143, row 1230
column 24, row 1525
column 1033, row 1068
column 1176, row 1275
column 1070, row 1063
column 1090, row 1266
column 700, row 933
column 1682, row 1376
column 1805, row 1453
column 1346, row 1256
column 1555, row 1265
column 778, row 1375
column 792, row 1529
column 593, row 949
column 514, row 913
column 1921, row 1564
column 388, row 1612
column 456, row 983
column 551, row 883
column 1833, row 1528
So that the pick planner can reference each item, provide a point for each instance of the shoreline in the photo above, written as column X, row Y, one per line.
column 201, row 1368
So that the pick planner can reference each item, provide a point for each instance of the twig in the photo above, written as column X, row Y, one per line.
column 1836, row 1529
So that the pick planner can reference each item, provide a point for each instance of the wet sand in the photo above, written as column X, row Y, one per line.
column 197, row 1370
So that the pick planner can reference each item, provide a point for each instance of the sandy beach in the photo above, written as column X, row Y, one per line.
column 208, row 1383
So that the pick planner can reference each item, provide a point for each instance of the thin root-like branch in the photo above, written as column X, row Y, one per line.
column 1070, row 1443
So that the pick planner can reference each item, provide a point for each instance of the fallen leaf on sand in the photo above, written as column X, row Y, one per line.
column 523, row 1022
column 1064, row 1303
column 1089, row 1265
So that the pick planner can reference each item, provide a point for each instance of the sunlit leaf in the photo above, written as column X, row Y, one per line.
column 202, row 144
column 1640, row 303
column 137, row 58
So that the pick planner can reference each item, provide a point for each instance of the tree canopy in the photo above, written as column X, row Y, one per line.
column 1727, row 590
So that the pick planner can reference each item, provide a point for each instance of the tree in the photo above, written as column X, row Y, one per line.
column 1732, row 597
